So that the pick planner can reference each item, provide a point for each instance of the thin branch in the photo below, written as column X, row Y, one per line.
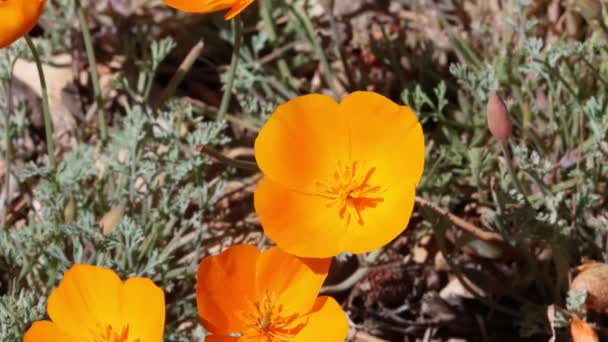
column 461, row 223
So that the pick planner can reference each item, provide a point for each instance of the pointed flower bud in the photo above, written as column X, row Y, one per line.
column 499, row 122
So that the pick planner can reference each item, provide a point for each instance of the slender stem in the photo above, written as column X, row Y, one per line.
column 271, row 31
column 480, row 233
column 8, row 154
column 338, row 39
column 88, row 44
column 505, row 150
column 181, row 72
column 239, row 164
column 132, row 172
column 48, row 123
column 238, row 37
column 328, row 73
column 366, row 265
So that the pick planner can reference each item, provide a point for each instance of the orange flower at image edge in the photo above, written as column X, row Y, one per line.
column 266, row 296
column 339, row 177
column 92, row 304
column 207, row 6
column 18, row 18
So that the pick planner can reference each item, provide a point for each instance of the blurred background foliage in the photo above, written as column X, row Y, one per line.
column 484, row 259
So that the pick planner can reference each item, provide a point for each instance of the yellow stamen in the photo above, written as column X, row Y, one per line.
column 350, row 191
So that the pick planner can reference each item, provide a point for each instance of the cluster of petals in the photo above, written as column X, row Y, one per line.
column 244, row 294
column 339, row 177
column 234, row 7
column 18, row 18
column 92, row 304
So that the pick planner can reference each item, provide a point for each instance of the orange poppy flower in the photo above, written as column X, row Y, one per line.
column 340, row 177
column 207, row 6
column 92, row 304
column 18, row 18
column 247, row 295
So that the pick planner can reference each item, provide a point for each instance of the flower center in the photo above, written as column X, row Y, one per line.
column 107, row 333
column 267, row 321
column 351, row 191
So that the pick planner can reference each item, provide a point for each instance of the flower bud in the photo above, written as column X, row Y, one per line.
column 69, row 210
column 499, row 122
column 112, row 218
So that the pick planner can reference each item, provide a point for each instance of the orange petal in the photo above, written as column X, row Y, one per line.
column 220, row 338
column 45, row 331
column 327, row 322
column 200, row 6
column 581, row 331
column 86, row 297
column 237, row 8
column 18, row 17
column 296, row 282
column 225, row 288
column 143, row 309
column 302, row 142
column 300, row 224
column 384, row 135
column 384, row 222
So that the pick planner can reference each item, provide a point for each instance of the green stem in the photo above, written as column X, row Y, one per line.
column 507, row 154
column 181, row 72
column 338, row 39
column 88, row 44
column 365, row 266
column 328, row 73
column 48, row 123
column 271, row 31
column 8, row 147
column 238, row 37
column 239, row 164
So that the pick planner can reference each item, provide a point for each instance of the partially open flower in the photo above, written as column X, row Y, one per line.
column 340, row 177
column 234, row 7
column 18, row 18
column 247, row 295
column 92, row 304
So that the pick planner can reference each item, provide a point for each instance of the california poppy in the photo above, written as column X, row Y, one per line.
column 339, row 177
column 207, row 6
column 18, row 17
column 247, row 295
column 581, row 331
column 92, row 304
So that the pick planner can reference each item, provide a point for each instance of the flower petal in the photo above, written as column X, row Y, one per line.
column 143, row 309
column 384, row 135
column 201, row 6
column 225, row 288
column 300, row 224
column 86, row 297
column 302, row 141
column 237, row 8
column 296, row 282
column 45, row 331
column 327, row 322
column 18, row 18
column 384, row 222
column 220, row 338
